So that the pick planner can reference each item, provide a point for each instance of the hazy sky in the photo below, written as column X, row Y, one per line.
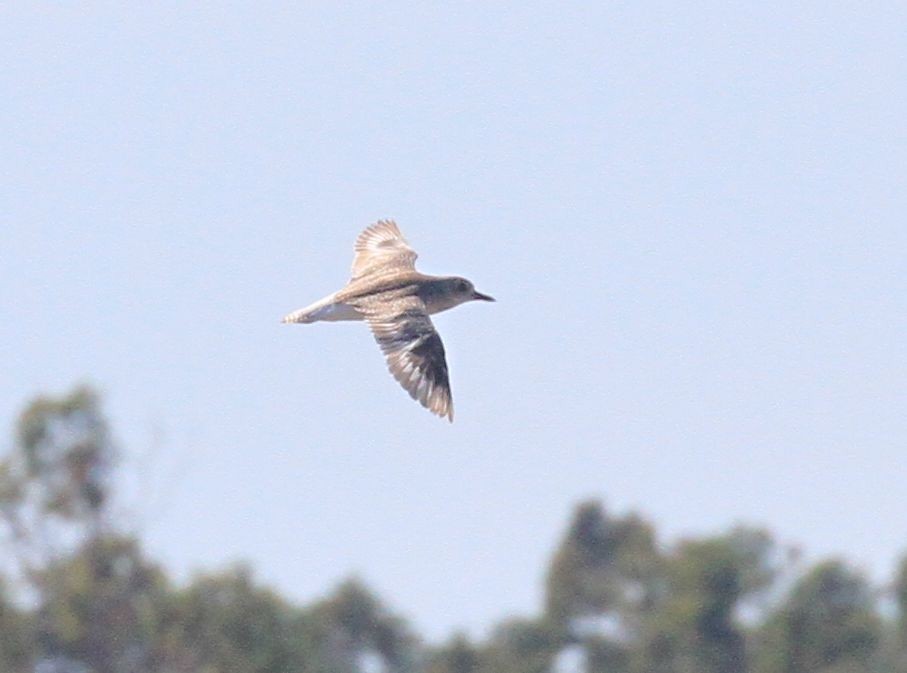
column 692, row 216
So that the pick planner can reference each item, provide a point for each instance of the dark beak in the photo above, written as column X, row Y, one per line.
column 483, row 297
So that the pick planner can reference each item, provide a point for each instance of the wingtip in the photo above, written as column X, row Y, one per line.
column 441, row 412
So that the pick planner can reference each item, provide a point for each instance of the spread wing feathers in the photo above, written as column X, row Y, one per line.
column 382, row 247
column 414, row 351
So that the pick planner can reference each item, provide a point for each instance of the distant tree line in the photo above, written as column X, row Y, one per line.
column 79, row 595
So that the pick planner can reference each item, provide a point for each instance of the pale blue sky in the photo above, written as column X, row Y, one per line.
column 692, row 216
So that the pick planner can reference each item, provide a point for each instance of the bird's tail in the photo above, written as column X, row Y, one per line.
column 303, row 315
column 324, row 309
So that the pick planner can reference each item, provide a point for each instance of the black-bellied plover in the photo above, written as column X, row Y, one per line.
column 386, row 291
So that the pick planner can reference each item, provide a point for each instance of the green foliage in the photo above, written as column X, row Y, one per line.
column 603, row 564
column 102, row 605
column 66, row 454
column 693, row 627
column 900, row 594
column 226, row 623
column 828, row 623
column 353, row 622
column 457, row 656
column 17, row 641
column 521, row 646
column 55, row 483
column 75, row 588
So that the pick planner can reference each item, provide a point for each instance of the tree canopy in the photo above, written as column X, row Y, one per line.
column 79, row 594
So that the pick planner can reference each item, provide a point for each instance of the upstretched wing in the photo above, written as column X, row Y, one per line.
column 414, row 352
column 382, row 248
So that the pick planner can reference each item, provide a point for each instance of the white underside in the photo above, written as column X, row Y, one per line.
column 335, row 312
column 328, row 310
column 325, row 310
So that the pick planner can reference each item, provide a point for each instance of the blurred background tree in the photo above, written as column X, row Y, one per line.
column 828, row 624
column 55, row 482
column 102, row 606
column 896, row 649
column 694, row 625
column 521, row 646
column 355, row 627
column 225, row 622
column 79, row 595
column 603, row 584
column 88, row 584
column 458, row 655
column 605, row 565
column 16, row 635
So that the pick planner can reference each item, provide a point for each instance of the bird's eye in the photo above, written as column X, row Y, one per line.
column 462, row 286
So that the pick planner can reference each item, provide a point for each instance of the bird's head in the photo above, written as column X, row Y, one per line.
column 465, row 291
column 448, row 292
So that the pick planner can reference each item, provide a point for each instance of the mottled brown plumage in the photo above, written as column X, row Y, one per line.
column 395, row 300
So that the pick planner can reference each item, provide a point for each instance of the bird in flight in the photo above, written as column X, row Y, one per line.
column 396, row 301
